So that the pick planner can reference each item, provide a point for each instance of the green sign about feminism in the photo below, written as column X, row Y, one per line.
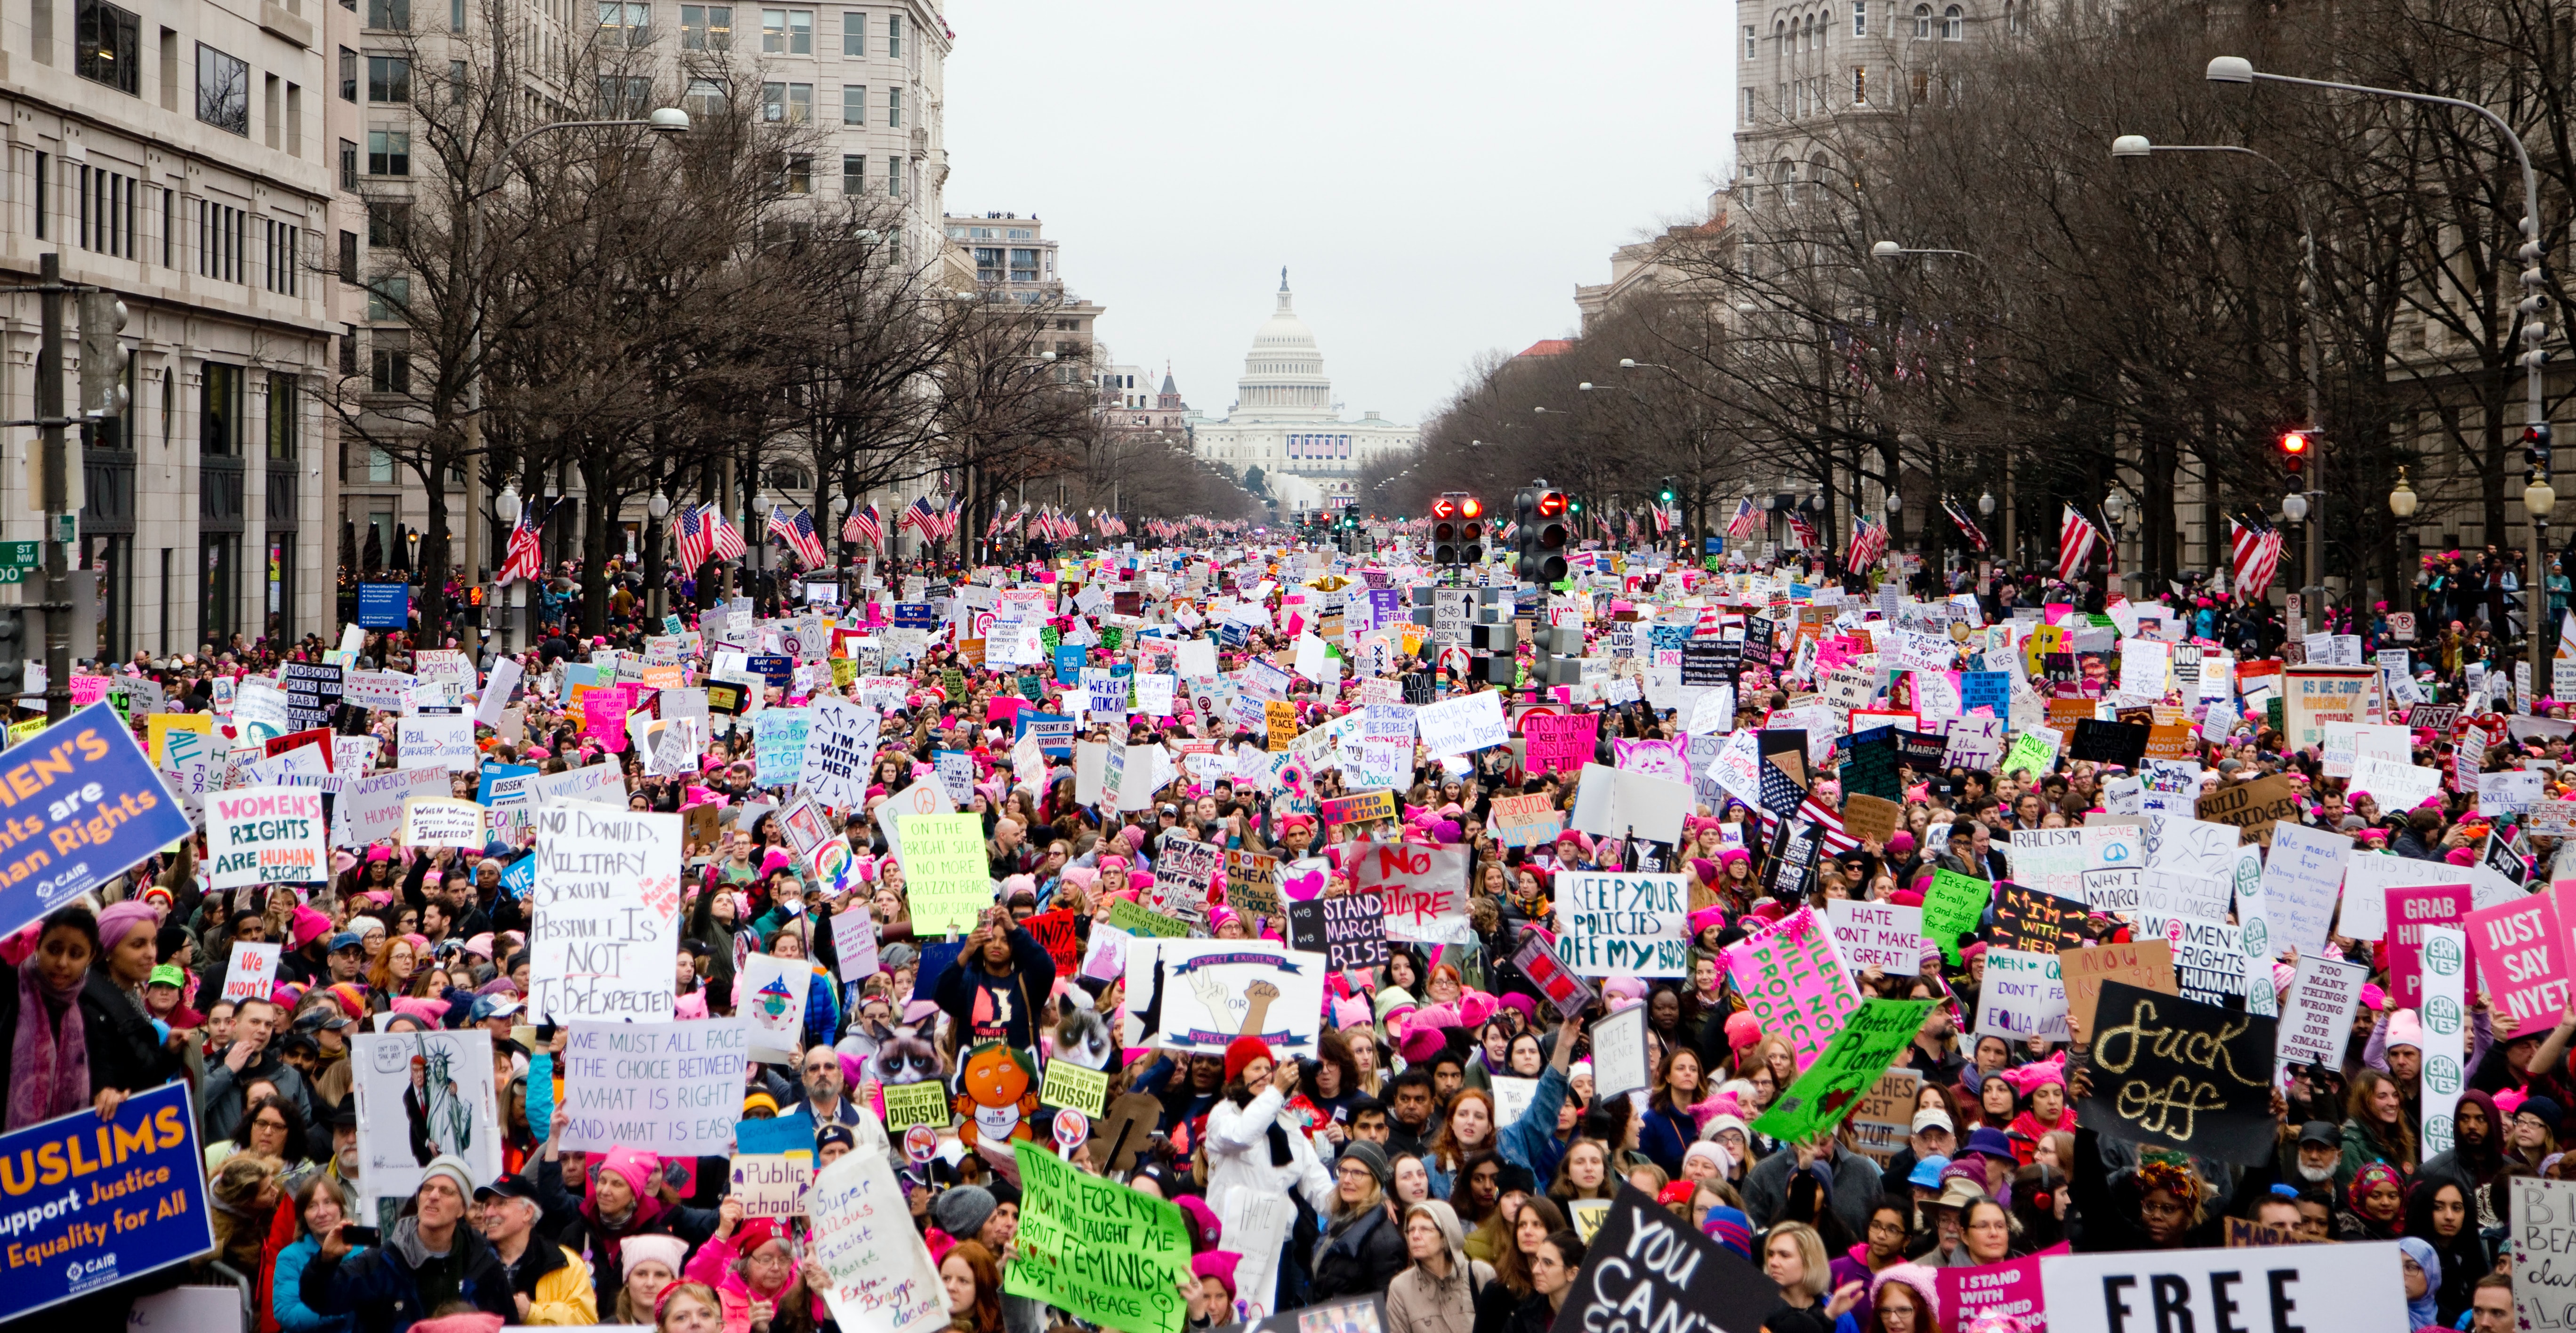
column 1105, row 1253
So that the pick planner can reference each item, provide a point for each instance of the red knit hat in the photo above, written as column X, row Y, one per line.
column 1241, row 1052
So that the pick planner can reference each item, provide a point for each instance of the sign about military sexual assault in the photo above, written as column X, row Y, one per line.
column 1623, row 924
column 79, row 804
column 607, row 902
column 101, row 1201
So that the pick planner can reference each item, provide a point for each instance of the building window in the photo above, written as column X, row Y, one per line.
column 1860, row 85
column 1748, row 106
column 1921, row 86
column 219, row 409
column 349, row 257
column 216, row 617
column 894, row 108
column 894, row 36
column 787, row 32
column 284, row 245
column 706, row 27
column 706, row 97
column 1752, row 41
column 1923, row 22
column 621, row 23
column 388, row 152
column 1954, row 24
column 389, row 361
column 391, row 15
column 854, row 175
column 348, row 164
column 223, row 90
column 624, row 96
column 222, row 234
column 348, row 75
column 387, row 224
column 388, row 79
column 854, row 104
column 894, row 177
column 456, row 15
column 388, row 299
column 799, row 176
column 791, row 103
column 284, row 409
column 854, row 33
column 1860, row 18
column 348, row 346
column 109, row 46
column 1024, row 265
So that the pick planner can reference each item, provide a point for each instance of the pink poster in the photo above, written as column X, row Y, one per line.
column 2520, row 955
column 2409, row 911
column 2011, row 1288
column 87, row 690
column 1794, row 983
column 1558, row 743
column 603, row 716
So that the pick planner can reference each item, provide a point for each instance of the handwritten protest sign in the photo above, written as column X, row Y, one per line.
column 1349, row 930
column 2175, row 1073
column 266, row 835
column 1952, row 908
column 1721, row 1292
column 252, row 973
column 1832, row 1086
column 2316, row 1018
column 1886, row 936
column 672, row 1089
column 1425, row 890
column 1526, row 821
column 1100, row 1251
column 883, row 1279
column 2145, row 964
column 606, row 905
column 946, row 874
column 2023, row 996
column 1793, row 984
column 1615, row 924
column 435, row 821
column 1555, row 743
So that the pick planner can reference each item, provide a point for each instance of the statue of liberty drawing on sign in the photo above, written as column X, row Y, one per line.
column 434, row 1107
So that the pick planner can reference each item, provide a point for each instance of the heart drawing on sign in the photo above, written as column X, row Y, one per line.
column 1302, row 886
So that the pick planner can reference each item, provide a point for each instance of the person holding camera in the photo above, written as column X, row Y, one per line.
column 432, row 1262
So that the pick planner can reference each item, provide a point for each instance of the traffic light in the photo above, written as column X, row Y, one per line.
column 1471, row 530
column 1665, row 496
column 1444, row 530
column 13, row 652
column 1542, row 536
column 2294, row 455
column 102, row 358
column 2535, row 450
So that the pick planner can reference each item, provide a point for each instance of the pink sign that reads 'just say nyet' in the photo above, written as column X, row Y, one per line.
column 2521, row 959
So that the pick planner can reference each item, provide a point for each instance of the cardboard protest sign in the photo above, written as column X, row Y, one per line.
column 2145, row 964
column 252, row 973
column 1619, row 1063
column 2543, row 1227
column 265, row 835
column 2350, row 1288
column 883, row 1279
column 2252, row 806
column 425, row 1090
column 1526, row 821
column 1884, row 1118
column 72, row 1239
column 1885, row 936
column 1623, row 924
column 1183, row 875
column 1100, row 1251
column 605, row 904
column 1689, row 1281
column 1793, row 982
column 2316, row 1017
column 2023, row 996
column 1425, row 890
column 1831, row 1087
column 1216, row 990
column 946, row 875
column 2175, row 1073
column 1350, row 931
column 672, row 1089
column 2009, row 1288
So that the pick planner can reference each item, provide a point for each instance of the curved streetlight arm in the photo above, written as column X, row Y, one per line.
column 501, row 164
column 1891, row 250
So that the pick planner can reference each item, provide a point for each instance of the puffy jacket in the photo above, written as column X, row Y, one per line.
column 286, row 1294
column 713, row 1264
column 1238, row 1148
column 557, row 1284
column 1359, row 1257
column 381, row 1286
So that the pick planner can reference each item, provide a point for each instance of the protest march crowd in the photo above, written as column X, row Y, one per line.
column 1241, row 933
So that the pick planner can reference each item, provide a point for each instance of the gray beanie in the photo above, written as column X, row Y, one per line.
column 1368, row 1154
column 454, row 1168
column 962, row 1211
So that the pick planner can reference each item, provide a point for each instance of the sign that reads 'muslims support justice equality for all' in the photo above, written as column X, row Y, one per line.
column 86, row 1203
column 79, row 805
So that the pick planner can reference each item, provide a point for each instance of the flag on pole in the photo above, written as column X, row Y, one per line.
column 2255, row 557
column 1967, row 527
column 2076, row 539
column 1746, row 519
column 919, row 517
column 697, row 543
column 526, row 558
column 864, row 525
column 1802, row 533
column 797, row 530
column 728, row 538
column 1868, row 544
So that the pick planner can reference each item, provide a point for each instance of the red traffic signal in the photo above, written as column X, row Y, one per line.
column 1471, row 507
column 1444, row 507
column 2294, row 442
column 1551, row 504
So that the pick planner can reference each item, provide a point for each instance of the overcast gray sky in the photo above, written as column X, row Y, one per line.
column 1436, row 175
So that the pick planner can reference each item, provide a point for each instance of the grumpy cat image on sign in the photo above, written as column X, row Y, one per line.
column 1081, row 1036
column 904, row 1056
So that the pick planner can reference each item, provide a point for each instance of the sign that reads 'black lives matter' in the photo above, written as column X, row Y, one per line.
column 2176, row 1073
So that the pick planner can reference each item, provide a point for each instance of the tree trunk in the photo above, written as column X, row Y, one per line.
column 596, row 481
column 434, row 542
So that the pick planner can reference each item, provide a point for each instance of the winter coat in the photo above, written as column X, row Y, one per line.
column 286, row 1294
column 713, row 1264
column 585, row 1235
column 1417, row 1302
column 381, row 1286
column 1358, row 1256
column 1238, row 1148
column 557, row 1285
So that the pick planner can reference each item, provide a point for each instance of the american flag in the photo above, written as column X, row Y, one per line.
column 728, row 537
column 526, row 558
column 948, row 521
column 697, row 545
column 1868, row 543
column 1802, row 532
column 798, row 532
column 2257, row 557
column 921, row 518
column 864, row 525
column 1666, row 520
column 1747, row 518
column 2076, row 539
column 1967, row 527
column 1780, row 795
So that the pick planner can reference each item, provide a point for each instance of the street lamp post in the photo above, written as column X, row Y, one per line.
column 2237, row 69
column 2115, row 511
column 2139, row 146
column 2401, row 502
column 660, row 508
column 505, row 507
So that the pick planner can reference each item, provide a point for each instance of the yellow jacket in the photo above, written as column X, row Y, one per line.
column 564, row 1295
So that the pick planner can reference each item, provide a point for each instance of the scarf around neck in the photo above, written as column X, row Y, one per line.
column 49, row 1053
